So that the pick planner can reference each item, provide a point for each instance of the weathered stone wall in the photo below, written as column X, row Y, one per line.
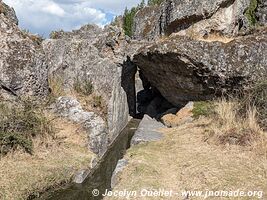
column 23, row 69
column 185, row 70
column 195, row 18
column 77, row 55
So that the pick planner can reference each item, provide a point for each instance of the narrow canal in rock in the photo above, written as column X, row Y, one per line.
column 100, row 178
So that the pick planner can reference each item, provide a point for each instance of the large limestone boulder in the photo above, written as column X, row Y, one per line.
column 146, row 23
column 23, row 69
column 148, row 131
column 96, row 55
column 94, row 125
column 185, row 70
column 197, row 18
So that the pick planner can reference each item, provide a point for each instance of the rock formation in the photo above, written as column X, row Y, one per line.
column 23, row 70
column 185, row 70
column 174, row 69
column 97, row 55
column 94, row 125
column 195, row 18
column 8, row 12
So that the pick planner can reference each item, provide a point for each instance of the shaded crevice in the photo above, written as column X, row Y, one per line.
column 129, row 70
column 145, row 100
column 7, row 89
column 150, row 101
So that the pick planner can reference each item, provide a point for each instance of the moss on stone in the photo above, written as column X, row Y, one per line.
column 250, row 12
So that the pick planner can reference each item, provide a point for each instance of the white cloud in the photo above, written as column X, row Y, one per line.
column 54, row 9
column 43, row 16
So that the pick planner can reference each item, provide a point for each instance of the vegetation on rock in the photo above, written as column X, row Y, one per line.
column 128, row 18
column 84, row 87
column 19, row 125
column 154, row 2
column 251, row 12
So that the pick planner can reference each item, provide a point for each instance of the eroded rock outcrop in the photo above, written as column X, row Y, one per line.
column 261, row 12
column 23, row 69
column 185, row 70
column 99, row 56
column 196, row 18
column 8, row 12
column 94, row 125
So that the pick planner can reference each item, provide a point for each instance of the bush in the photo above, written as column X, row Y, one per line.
column 83, row 87
column 19, row 125
column 12, row 141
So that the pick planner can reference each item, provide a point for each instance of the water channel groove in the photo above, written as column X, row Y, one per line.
column 100, row 177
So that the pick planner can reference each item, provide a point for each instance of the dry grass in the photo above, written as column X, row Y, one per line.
column 211, row 37
column 216, row 37
column 56, row 84
column 183, row 161
column 54, row 162
column 230, row 128
column 92, row 103
column 218, row 152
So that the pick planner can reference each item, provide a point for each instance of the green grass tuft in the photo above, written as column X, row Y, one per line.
column 202, row 108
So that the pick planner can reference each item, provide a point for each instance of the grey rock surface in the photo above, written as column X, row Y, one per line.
column 70, row 108
column 90, row 54
column 23, row 68
column 119, row 168
column 8, row 12
column 196, row 18
column 228, row 20
column 99, row 56
column 185, row 70
column 94, row 125
column 81, row 176
column 147, row 23
column 147, row 131
column 261, row 12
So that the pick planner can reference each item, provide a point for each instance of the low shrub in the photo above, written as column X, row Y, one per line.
column 251, row 12
column 19, row 125
column 84, row 87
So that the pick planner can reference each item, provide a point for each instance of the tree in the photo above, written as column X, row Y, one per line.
column 128, row 18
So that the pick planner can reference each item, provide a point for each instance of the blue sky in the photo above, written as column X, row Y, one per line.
column 43, row 16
